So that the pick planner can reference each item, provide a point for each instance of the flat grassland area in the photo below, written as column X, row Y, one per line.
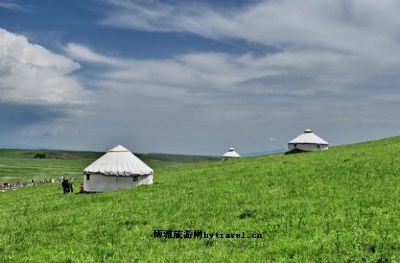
column 341, row 205
column 20, row 165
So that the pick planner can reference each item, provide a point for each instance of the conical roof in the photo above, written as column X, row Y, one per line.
column 308, row 136
column 231, row 153
column 119, row 148
column 119, row 161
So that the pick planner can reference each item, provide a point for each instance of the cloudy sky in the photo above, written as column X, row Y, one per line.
column 197, row 77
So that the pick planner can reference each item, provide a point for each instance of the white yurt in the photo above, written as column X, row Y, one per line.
column 308, row 141
column 230, row 154
column 118, row 168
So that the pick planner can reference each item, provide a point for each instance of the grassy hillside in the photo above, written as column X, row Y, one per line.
column 18, row 165
column 341, row 205
column 54, row 154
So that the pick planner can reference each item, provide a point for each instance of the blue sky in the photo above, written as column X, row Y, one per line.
column 196, row 76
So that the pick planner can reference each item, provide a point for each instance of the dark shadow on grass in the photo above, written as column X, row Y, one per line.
column 248, row 213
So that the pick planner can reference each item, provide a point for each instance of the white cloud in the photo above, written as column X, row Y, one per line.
column 333, row 47
column 85, row 54
column 368, row 28
column 31, row 74
column 11, row 5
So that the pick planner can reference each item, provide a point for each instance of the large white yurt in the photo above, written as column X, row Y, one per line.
column 118, row 168
column 230, row 154
column 308, row 141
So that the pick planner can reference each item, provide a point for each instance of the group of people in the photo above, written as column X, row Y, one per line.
column 68, row 187
column 10, row 186
column 66, row 183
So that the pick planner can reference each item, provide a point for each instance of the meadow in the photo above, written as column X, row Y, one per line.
column 340, row 205
column 20, row 165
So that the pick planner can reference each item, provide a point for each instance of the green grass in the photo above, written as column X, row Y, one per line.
column 341, row 205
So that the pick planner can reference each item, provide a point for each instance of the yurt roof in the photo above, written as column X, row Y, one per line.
column 119, row 161
column 231, row 153
column 309, row 137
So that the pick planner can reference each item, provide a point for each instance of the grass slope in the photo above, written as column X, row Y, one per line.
column 341, row 205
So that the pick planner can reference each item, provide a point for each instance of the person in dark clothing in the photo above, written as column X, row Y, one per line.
column 71, row 187
column 65, row 185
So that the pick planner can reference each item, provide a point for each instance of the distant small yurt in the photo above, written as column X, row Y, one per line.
column 117, row 169
column 230, row 154
column 308, row 141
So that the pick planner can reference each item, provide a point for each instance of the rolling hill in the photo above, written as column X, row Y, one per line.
column 340, row 205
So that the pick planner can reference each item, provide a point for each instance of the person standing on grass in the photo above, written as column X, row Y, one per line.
column 71, row 187
column 65, row 185
column 81, row 189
